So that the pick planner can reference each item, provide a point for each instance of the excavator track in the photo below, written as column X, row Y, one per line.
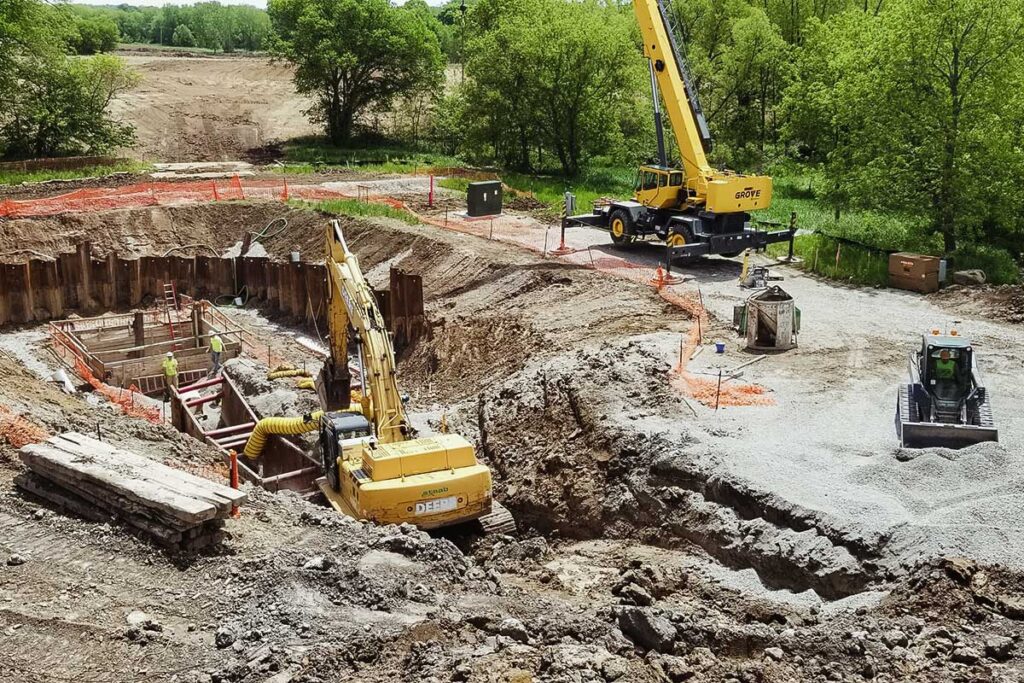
column 499, row 521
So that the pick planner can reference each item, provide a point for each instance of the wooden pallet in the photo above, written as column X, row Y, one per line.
column 98, row 481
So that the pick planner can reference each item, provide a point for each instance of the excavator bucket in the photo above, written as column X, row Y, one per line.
column 917, row 434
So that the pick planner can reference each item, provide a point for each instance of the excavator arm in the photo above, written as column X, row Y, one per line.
column 350, row 302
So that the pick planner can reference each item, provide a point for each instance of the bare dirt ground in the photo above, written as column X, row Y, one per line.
column 771, row 543
column 209, row 109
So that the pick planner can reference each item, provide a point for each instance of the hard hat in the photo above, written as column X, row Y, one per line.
column 170, row 354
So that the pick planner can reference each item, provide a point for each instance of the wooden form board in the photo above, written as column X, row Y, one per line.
column 139, row 485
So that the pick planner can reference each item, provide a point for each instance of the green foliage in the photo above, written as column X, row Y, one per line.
column 353, row 54
column 359, row 209
column 740, row 65
column 826, row 256
column 96, row 33
column 550, row 82
column 999, row 265
column 18, row 177
column 311, row 155
column 54, row 105
column 910, row 110
column 60, row 109
column 183, row 37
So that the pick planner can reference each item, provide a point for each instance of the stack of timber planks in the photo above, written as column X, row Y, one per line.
column 98, row 481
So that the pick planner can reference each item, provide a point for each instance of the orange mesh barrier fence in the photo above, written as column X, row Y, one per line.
column 153, row 193
column 708, row 390
column 131, row 401
column 16, row 430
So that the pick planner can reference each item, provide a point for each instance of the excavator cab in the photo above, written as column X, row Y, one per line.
column 659, row 187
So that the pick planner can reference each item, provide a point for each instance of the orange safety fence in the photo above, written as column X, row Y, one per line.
column 131, row 401
column 18, row 431
column 154, row 193
column 708, row 390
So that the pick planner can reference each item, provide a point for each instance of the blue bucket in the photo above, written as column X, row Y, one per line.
column 719, row 347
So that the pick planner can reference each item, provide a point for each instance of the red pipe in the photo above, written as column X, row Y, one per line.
column 203, row 384
column 229, row 430
column 202, row 400
column 233, row 444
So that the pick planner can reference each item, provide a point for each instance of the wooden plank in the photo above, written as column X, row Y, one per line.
column 124, row 482
column 119, row 508
column 178, row 481
column 186, row 482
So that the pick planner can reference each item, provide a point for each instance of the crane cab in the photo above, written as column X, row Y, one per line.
column 659, row 187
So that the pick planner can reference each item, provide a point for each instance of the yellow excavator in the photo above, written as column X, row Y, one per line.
column 693, row 208
column 375, row 467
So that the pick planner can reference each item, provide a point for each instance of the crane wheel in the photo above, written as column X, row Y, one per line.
column 620, row 224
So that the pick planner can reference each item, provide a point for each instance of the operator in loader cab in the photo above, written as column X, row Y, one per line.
column 945, row 367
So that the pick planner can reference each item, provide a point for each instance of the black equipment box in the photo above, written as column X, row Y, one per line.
column 483, row 198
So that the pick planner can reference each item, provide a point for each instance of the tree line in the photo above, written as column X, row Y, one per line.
column 54, row 104
column 208, row 25
column 914, row 108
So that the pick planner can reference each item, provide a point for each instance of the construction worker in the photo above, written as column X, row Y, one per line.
column 945, row 367
column 945, row 375
column 170, row 366
column 216, row 349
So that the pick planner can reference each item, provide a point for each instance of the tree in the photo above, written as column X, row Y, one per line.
column 62, row 109
column 94, row 33
column 918, row 109
column 739, row 62
column 353, row 54
column 547, row 74
column 182, row 36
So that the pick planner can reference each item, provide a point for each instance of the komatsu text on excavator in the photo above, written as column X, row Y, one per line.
column 695, row 209
column 375, row 467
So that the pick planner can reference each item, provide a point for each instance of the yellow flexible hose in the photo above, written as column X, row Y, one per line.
column 306, row 383
column 286, row 426
column 278, row 374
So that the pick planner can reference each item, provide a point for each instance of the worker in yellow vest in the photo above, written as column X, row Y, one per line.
column 170, row 366
column 216, row 349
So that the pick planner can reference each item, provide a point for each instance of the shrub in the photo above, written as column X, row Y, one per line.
column 998, row 264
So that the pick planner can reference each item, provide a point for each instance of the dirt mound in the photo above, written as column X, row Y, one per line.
column 210, row 109
column 1001, row 302
column 155, row 230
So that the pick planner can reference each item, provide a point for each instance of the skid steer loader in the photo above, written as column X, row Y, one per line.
column 945, row 404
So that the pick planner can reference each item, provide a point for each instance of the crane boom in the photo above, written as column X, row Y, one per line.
column 696, row 210
column 350, row 301
column 680, row 98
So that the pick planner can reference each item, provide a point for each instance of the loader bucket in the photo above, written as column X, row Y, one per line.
column 937, row 435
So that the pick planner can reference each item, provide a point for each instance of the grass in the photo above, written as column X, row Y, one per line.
column 550, row 189
column 831, row 258
column 357, row 208
column 18, row 177
column 311, row 155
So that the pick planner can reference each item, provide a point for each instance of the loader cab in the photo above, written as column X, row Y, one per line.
column 949, row 378
column 659, row 187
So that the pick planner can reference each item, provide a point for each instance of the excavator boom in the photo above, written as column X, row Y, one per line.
column 350, row 302
column 374, row 467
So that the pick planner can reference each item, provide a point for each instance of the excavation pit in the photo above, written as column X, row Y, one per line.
column 128, row 349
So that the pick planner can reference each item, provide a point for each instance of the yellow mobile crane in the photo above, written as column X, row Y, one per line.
column 375, row 467
column 694, row 208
